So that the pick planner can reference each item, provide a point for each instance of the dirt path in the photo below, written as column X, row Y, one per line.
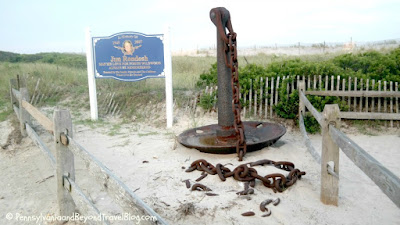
column 150, row 162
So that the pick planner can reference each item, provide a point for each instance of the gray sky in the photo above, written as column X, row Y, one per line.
column 58, row 26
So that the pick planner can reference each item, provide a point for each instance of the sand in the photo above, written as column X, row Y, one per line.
column 150, row 161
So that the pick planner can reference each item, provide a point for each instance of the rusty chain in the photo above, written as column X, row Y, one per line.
column 232, row 62
column 276, row 181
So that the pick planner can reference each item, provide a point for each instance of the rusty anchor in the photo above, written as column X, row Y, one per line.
column 231, row 134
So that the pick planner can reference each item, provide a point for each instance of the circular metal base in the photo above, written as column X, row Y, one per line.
column 258, row 135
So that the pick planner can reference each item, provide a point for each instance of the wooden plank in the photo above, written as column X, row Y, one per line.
column 12, row 97
column 379, row 99
column 120, row 193
column 250, row 96
column 343, row 87
column 255, row 102
column 384, row 100
column 18, row 82
column 338, row 83
column 311, row 108
column 332, row 82
column 320, row 82
column 65, row 161
column 349, row 97
column 397, row 101
column 272, row 96
column 39, row 143
column 355, row 89
column 298, row 82
column 307, row 141
column 302, row 109
column 82, row 202
column 366, row 99
column 277, row 90
column 16, row 93
column 370, row 116
column 388, row 182
column 355, row 93
column 373, row 99
column 24, row 116
column 36, row 89
column 39, row 116
column 315, row 83
column 361, row 89
column 391, row 102
column 261, row 97
column 16, row 110
column 308, row 82
column 329, row 155
column 326, row 83
column 266, row 98
column 287, row 89
column 193, row 107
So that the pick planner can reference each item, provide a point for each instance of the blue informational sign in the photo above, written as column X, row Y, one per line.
column 129, row 56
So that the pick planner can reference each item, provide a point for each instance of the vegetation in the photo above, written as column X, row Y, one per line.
column 366, row 65
column 56, row 78
column 61, row 59
column 66, row 75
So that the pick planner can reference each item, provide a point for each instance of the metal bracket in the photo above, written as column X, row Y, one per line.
column 67, row 185
column 331, row 169
column 64, row 139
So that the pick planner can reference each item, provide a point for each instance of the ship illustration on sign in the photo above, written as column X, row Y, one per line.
column 127, row 47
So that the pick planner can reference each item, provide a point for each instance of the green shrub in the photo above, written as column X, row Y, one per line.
column 365, row 65
column 287, row 108
column 208, row 78
column 311, row 124
column 207, row 101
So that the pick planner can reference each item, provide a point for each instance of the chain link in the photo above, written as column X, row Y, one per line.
column 230, row 56
column 276, row 181
column 231, row 61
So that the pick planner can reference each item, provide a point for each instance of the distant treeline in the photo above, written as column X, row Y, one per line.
column 62, row 59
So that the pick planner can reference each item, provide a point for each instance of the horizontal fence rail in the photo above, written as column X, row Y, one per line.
column 85, row 206
column 380, row 175
column 369, row 116
column 332, row 140
column 69, row 193
column 382, row 94
column 39, row 116
column 307, row 141
column 39, row 143
column 311, row 108
column 126, row 198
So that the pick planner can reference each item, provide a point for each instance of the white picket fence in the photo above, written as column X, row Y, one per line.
column 260, row 101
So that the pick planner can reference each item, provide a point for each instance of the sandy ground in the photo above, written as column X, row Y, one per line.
column 150, row 162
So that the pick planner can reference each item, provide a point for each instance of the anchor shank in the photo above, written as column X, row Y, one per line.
column 225, row 115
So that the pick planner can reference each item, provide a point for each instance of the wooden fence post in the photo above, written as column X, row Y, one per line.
column 302, row 108
column 24, row 116
column 12, row 84
column 330, row 153
column 65, row 161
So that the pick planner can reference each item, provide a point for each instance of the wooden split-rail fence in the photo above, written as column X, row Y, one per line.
column 70, row 196
column 333, row 139
column 365, row 98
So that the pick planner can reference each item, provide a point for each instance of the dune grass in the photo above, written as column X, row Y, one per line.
column 71, row 83
column 68, row 85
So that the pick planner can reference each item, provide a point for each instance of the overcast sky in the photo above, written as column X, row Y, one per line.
column 58, row 26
